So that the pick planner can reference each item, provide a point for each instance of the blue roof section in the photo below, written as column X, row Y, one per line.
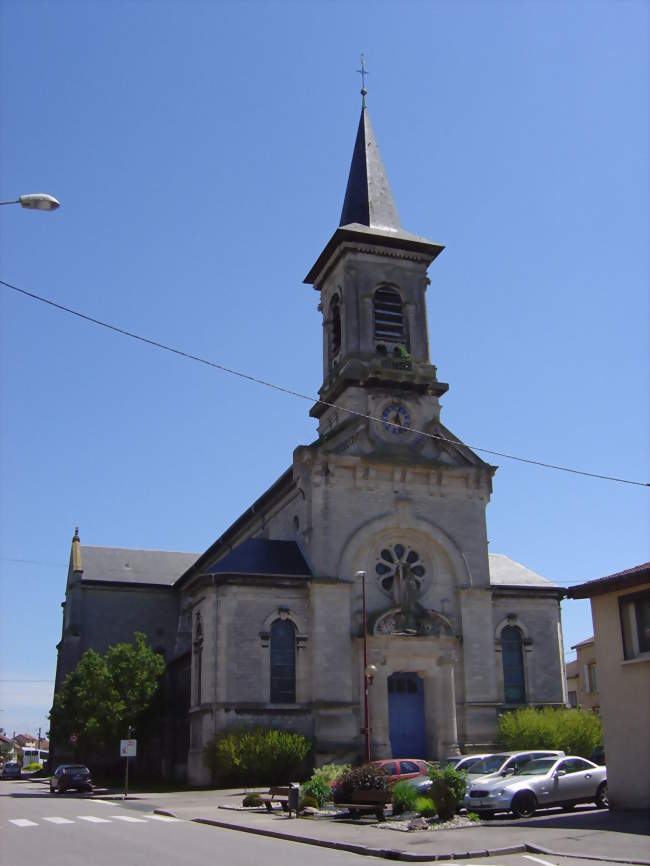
column 263, row 556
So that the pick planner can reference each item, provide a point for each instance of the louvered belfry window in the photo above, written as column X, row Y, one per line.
column 389, row 319
column 283, row 662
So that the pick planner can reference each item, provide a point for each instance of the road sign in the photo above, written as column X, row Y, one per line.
column 128, row 748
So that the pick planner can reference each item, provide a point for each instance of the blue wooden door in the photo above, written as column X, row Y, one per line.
column 406, row 716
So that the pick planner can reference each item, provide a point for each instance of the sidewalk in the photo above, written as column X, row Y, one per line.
column 588, row 833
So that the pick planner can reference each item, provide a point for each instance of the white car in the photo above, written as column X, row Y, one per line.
column 543, row 782
column 463, row 762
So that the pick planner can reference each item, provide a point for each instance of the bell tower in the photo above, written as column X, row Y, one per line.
column 372, row 279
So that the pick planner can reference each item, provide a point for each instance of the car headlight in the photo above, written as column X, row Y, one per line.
column 498, row 793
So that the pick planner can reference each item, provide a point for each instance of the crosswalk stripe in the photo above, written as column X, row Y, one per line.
column 162, row 818
column 59, row 820
column 129, row 818
column 93, row 819
column 22, row 822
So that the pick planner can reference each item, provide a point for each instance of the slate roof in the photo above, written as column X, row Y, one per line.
column 634, row 576
column 368, row 199
column 263, row 556
column 121, row 565
column 506, row 572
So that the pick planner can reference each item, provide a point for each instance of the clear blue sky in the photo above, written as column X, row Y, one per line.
column 200, row 151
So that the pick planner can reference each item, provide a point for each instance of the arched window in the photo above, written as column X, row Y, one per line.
column 389, row 319
column 335, row 332
column 198, row 658
column 283, row 662
column 514, row 684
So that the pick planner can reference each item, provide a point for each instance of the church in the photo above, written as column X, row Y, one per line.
column 374, row 539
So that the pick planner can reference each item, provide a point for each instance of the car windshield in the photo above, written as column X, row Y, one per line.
column 536, row 768
column 75, row 768
column 491, row 764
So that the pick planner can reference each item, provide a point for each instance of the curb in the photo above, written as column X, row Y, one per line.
column 166, row 813
column 364, row 850
column 537, row 849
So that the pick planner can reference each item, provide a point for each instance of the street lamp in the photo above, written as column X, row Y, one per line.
column 369, row 671
column 35, row 201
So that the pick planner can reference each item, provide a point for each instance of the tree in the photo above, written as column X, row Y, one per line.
column 105, row 694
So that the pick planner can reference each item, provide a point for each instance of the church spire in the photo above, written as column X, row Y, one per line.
column 368, row 199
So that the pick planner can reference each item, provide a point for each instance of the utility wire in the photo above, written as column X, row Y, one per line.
column 310, row 398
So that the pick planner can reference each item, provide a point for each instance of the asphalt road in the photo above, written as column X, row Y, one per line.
column 39, row 829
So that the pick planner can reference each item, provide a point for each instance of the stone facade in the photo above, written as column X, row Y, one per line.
column 386, row 490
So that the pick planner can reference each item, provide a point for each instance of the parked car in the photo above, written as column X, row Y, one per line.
column 11, row 770
column 542, row 782
column 401, row 769
column 463, row 762
column 421, row 783
column 506, row 763
column 70, row 776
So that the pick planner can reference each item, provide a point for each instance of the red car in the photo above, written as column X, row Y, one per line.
column 400, row 769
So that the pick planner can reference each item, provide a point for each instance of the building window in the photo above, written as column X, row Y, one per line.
column 591, row 678
column 198, row 659
column 635, row 623
column 283, row 662
column 335, row 327
column 389, row 318
column 513, row 666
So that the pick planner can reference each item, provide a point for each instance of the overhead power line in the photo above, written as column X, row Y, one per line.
column 158, row 345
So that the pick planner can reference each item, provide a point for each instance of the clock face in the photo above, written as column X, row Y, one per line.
column 396, row 418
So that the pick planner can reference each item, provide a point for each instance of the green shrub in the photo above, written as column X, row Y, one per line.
column 456, row 782
column 33, row 766
column 473, row 817
column 426, row 807
column 444, row 791
column 251, row 800
column 317, row 789
column 330, row 772
column 368, row 777
column 309, row 802
column 259, row 756
column 574, row 731
column 404, row 798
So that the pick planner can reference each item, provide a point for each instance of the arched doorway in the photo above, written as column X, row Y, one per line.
column 406, row 725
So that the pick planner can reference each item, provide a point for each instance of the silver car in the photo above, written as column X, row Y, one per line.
column 506, row 763
column 542, row 782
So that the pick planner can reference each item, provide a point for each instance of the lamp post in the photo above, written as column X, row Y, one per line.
column 35, row 201
column 369, row 671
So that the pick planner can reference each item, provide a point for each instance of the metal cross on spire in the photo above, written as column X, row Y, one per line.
column 363, row 72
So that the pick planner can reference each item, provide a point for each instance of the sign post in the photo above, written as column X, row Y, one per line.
column 128, row 749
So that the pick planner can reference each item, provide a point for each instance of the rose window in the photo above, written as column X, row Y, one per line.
column 402, row 560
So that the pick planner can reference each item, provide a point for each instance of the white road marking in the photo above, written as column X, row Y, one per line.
column 22, row 822
column 103, row 802
column 93, row 819
column 59, row 820
column 129, row 818
column 538, row 860
column 163, row 818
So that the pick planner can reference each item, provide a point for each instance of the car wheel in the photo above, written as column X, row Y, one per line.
column 602, row 799
column 524, row 804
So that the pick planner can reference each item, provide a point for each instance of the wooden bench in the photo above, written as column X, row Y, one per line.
column 366, row 801
column 276, row 793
